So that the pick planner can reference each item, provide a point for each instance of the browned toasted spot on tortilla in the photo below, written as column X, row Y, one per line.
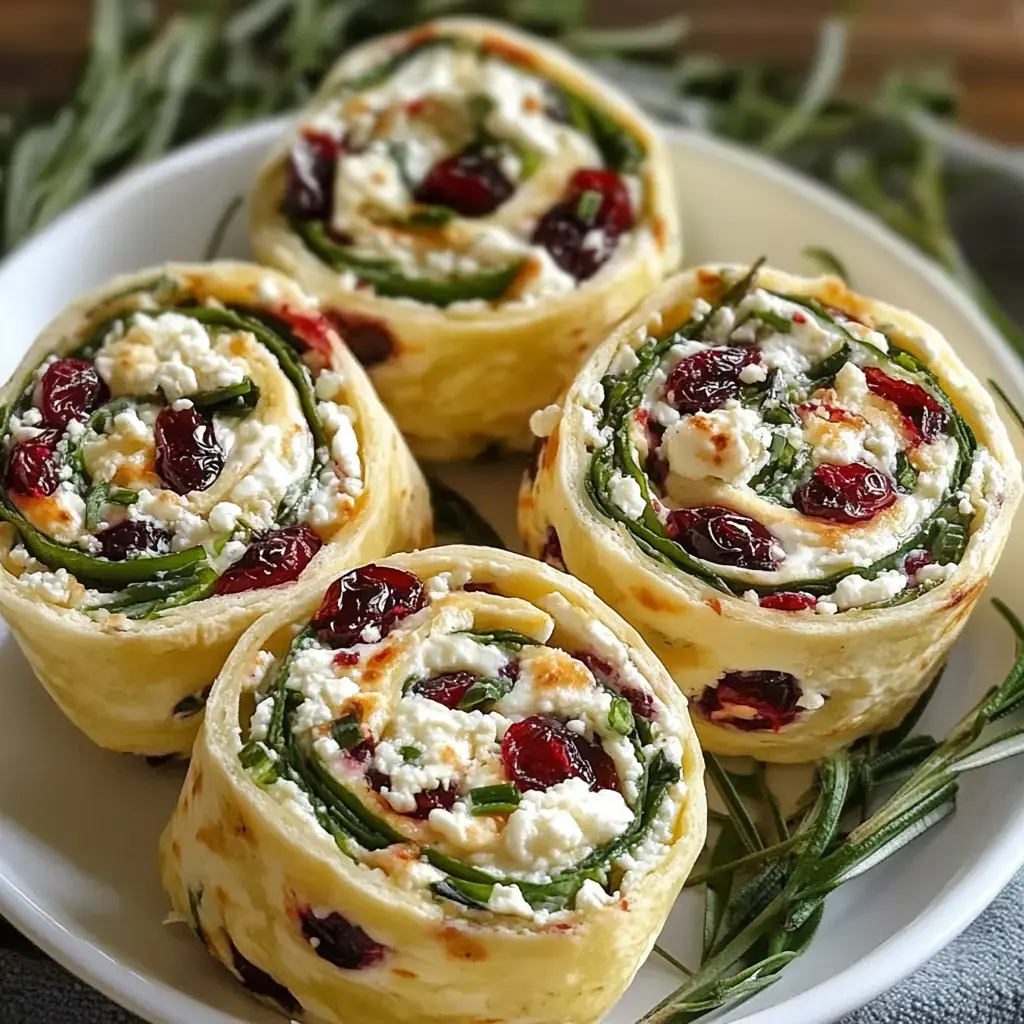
column 660, row 231
column 965, row 592
column 402, row 972
column 550, row 452
column 461, row 947
column 649, row 599
column 197, row 782
column 714, row 604
column 176, row 850
column 212, row 837
column 507, row 50
column 221, row 898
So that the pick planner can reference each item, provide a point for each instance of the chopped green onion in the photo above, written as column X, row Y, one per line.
column 588, row 205
column 780, row 323
column 122, row 496
column 906, row 475
column 620, row 716
column 95, row 502
column 511, row 638
column 428, row 217
column 948, row 542
column 502, row 798
column 410, row 753
column 483, row 692
column 347, row 732
column 257, row 761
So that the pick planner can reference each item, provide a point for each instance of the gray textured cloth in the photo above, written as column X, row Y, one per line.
column 979, row 979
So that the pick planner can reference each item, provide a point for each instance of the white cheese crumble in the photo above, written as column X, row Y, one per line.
column 556, row 827
column 625, row 492
column 854, row 591
column 544, row 421
column 728, row 443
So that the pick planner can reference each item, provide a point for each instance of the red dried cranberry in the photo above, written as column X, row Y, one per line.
column 309, row 189
column 845, row 494
column 915, row 562
column 346, row 658
column 510, row 670
column 771, row 695
column 374, row 596
column 615, row 214
column 709, row 378
column 540, row 752
column 314, row 329
column 470, row 183
column 259, row 983
column 32, row 469
column 552, row 550
column 362, row 752
column 447, row 689
column 368, row 337
column 273, row 558
column 724, row 537
column 600, row 761
column 567, row 229
column 789, row 601
column 480, row 588
column 426, row 800
column 188, row 456
column 133, row 537
column 340, row 942
column 69, row 390
column 924, row 416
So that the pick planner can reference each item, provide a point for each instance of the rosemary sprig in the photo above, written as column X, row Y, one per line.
column 761, row 921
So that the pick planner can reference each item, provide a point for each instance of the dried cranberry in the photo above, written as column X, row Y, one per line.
column 924, row 416
column 426, row 800
column 259, row 983
column 346, row 658
column 188, row 456
column 32, row 469
column 615, row 214
column 600, row 761
column 447, row 689
column 845, row 494
column 724, row 537
column 709, row 378
column 309, row 190
column 915, row 562
column 470, row 183
column 581, row 239
column 552, row 550
column 374, row 596
column 273, row 558
column 362, row 752
column 340, row 942
column 69, row 390
column 789, row 601
column 540, row 752
column 133, row 537
column 771, row 695
column 480, row 588
column 314, row 329
column 510, row 670
column 368, row 337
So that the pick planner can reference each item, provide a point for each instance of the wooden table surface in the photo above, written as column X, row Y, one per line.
column 42, row 43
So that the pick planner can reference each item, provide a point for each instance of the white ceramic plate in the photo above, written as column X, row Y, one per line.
column 78, row 826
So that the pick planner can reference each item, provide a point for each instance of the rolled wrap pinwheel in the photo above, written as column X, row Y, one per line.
column 453, row 788
column 472, row 205
column 794, row 492
column 179, row 448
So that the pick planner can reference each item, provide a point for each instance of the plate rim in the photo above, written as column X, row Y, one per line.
column 974, row 886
